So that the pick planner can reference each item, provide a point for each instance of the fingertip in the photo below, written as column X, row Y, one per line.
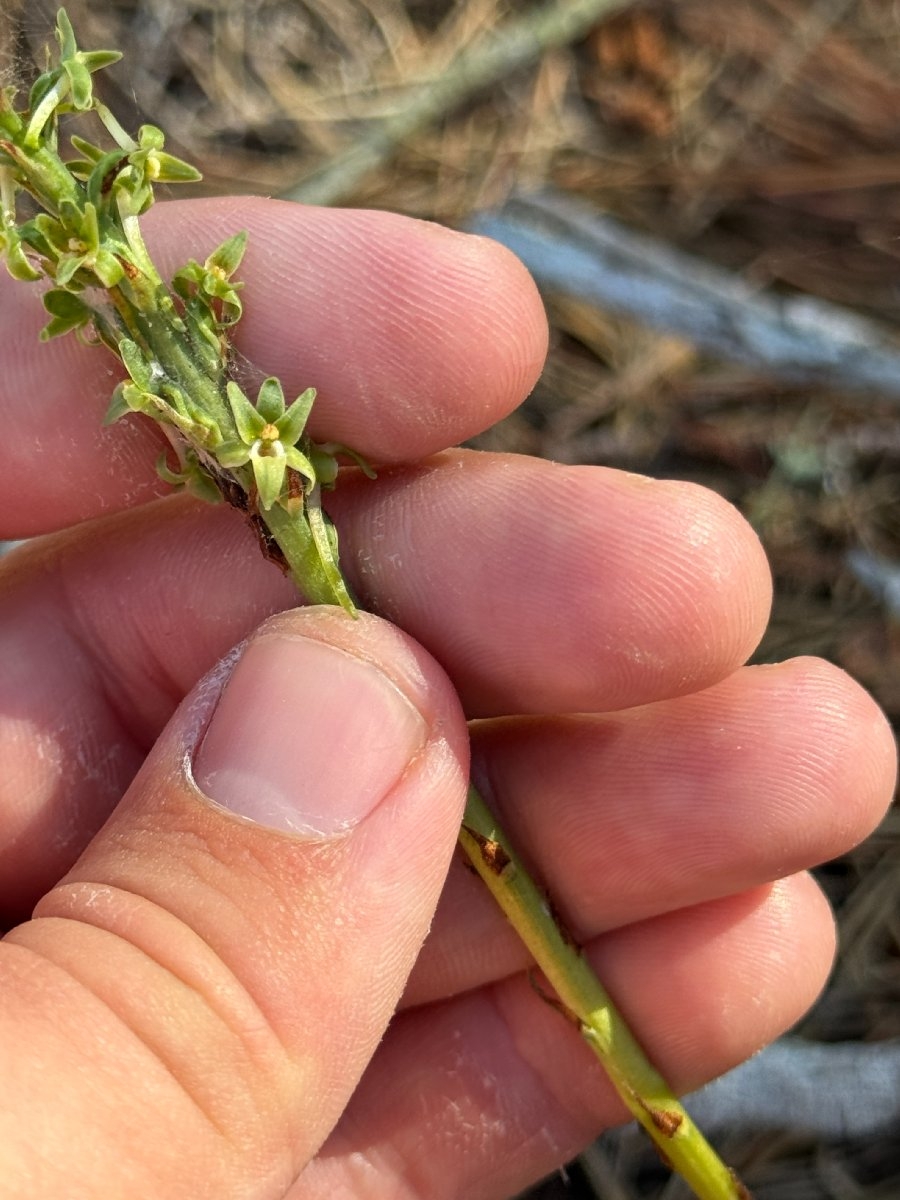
column 849, row 751
column 415, row 336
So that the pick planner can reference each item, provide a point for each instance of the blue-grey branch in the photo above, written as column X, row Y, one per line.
column 573, row 250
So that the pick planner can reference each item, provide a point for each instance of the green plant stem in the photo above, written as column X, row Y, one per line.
column 296, row 544
column 584, row 1001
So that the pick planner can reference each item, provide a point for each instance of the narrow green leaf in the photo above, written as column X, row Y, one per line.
column 68, row 312
column 17, row 262
column 325, row 539
column 136, row 364
column 91, row 152
column 79, row 82
column 102, row 178
column 117, row 406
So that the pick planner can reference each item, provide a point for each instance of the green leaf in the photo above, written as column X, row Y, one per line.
column 79, row 168
column 52, row 233
column 91, row 152
column 166, row 168
column 136, row 364
column 17, row 262
column 104, row 175
column 68, row 312
column 191, row 475
column 325, row 539
column 330, row 449
column 11, row 120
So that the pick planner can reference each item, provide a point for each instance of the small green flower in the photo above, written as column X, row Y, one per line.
column 79, row 247
column 68, row 85
column 211, row 284
column 267, row 438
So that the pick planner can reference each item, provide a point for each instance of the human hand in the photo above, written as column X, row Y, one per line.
column 196, row 1009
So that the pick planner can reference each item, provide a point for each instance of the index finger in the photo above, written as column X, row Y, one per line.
column 415, row 336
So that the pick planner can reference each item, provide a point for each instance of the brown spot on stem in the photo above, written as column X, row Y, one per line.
column 564, row 932
column 665, row 1120
column 555, row 1003
column 741, row 1191
column 235, row 495
column 110, row 177
column 493, row 855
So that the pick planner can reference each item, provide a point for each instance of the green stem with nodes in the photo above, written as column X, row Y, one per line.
column 585, row 1002
column 173, row 343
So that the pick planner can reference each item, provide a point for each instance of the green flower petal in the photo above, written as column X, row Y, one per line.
column 227, row 257
column 108, row 268
column 268, row 471
column 79, row 82
column 65, row 35
column 233, row 454
column 68, row 268
column 96, row 60
column 151, row 137
column 249, row 422
column 293, row 422
column 166, row 168
column 298, row 462
column 270, row 401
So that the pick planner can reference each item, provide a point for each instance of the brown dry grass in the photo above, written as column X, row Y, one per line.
column 760, row 134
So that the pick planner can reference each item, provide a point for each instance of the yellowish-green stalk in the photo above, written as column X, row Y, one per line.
column 585, row 1002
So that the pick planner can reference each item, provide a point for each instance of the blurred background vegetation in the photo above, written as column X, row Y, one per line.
column 761, row 136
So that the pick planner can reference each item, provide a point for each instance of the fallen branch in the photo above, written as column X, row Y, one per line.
column 571, row 249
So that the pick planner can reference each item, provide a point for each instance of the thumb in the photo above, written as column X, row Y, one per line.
column 190, row 1009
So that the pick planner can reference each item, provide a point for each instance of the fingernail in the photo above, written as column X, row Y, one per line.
column 306, row 738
